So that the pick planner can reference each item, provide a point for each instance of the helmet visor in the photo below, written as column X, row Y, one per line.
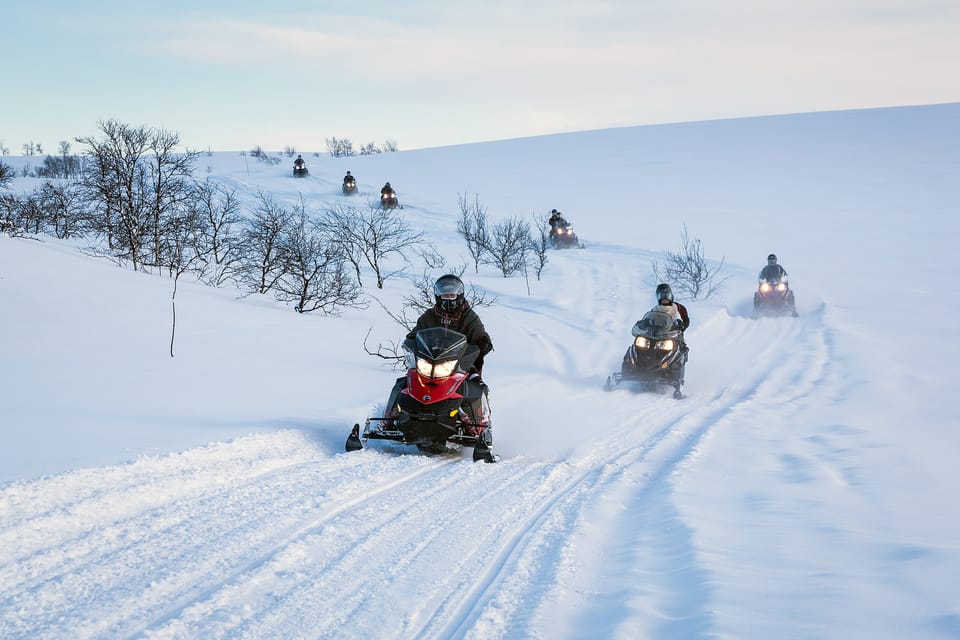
column 445, row 287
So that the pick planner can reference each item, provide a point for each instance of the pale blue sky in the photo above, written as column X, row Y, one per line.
column 231, row 75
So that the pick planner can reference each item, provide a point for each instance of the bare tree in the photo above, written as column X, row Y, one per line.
column 169, row 183
column 62, row 209
column 117, row 185
column 509, row 246
column 315, row 275
column 371, row 236
column 688, row 271
column 539, row 246
column 472, row 227
column 340, row 147
column 390, row 146
column 263, row 263
column 10, row 222
column 7, row 174
column 219, row 248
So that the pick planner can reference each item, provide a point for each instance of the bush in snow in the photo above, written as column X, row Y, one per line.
column 688, row 272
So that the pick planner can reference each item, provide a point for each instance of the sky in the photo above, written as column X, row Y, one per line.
column 239, row 74
column 804, row 488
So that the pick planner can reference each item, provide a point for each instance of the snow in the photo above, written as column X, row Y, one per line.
column 804, row 489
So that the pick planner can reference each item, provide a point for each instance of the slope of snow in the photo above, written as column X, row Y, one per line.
column 805, row 488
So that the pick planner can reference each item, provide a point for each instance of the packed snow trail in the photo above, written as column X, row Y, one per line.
column 265, row 538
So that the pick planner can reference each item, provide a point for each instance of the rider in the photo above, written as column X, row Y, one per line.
column 348, row 178
column 386, row 191
column 452, row 311
column 299, row 162
column 681, row 320
column 773, row 271
column 556, row 218
column 666, row 303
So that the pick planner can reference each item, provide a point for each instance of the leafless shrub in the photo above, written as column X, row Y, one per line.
column 218, row 245
column 263, row 263
column 7, row 174
column 340, row 147
column 316, row 277
column 472, row 227
column 371, row 236
column 509, row 246
column 688, row 272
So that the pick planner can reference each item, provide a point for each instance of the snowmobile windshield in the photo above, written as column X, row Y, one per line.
column 439, row 344
column 654, row 324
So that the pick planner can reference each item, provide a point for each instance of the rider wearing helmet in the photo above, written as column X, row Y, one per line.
column 556, row 218
column 666, row 303
column 348, row 178
column 773, row 272
column 299, row 162
column 387, row 190
column 452, row 311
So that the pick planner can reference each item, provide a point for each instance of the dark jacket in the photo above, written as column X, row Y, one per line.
column 773, row 273
column 465, row 320
column 387, row 191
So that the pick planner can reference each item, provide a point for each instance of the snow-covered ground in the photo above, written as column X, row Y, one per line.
column 806, row 488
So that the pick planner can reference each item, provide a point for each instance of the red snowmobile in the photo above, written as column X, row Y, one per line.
column 437, row 401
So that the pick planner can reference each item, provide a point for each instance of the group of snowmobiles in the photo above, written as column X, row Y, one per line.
column 388, row 195
column 439, row 401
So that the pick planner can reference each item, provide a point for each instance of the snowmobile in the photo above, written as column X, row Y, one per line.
column 300, row 169
column 657, row 356
column 349, row 186
column 562, row 235
column 774, row 297
column 437, row 401
column 388, row 199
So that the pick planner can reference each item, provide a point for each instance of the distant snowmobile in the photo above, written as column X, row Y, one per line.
column 657, row 357
column 300, row 168
column 349, row 186
column 436, row 402
column 774, row 297
column 562, row 235
column 388, row 199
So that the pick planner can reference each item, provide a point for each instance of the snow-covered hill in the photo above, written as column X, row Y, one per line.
column 804, row 489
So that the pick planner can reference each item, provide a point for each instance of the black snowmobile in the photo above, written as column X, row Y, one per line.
column 349, row 187
column 657, row 356
column 436, row 402
column 773, row 297
column 562, row 235
column 300, row 169
column 388, row 199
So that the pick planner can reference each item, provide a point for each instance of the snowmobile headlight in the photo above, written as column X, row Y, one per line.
column 569, row 231
column 444, row 369
column 641, row 342
column 765, row 287
column 781, row 286
column 437, row 370
column 665, row 345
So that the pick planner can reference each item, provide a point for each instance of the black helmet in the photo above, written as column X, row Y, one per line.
column 348, row 173
column 772, row 258
column 664, row 292
column 387, row 185
column 448, row 292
